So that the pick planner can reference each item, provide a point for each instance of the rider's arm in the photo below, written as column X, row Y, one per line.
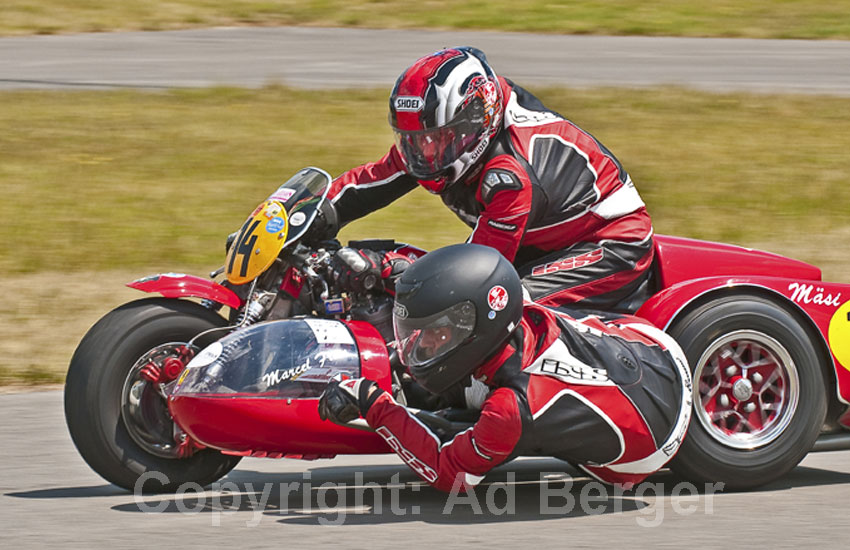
column 506, row 194
column 369, row 187
column 464, row 460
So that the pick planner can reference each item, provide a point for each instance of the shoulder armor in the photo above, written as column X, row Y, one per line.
column 496, row 180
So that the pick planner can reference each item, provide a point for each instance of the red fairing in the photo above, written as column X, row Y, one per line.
column 251, row 424
column 374, row 361
column 178, row 285
column 681, row 259
column 461, row 462
column 267, row 425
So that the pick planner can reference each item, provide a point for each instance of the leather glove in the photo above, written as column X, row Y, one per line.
column 344, row 401
column 357, row 269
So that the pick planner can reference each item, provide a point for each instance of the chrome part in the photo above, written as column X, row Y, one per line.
column 253, row 313
column 319, row 261
column 832, row 442
column 144, row 404
column 742, row 389
column 752, row 411
column 257, row 308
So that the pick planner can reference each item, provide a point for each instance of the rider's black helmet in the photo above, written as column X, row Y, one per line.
column 454, row 307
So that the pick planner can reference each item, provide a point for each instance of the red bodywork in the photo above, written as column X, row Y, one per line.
column 280, row 427
column 179, row 285
column 679, row 260
column 687, row 271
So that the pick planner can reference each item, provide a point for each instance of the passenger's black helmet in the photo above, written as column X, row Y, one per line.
column 454, row 307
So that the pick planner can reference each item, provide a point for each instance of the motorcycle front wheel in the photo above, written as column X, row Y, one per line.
column 124, row 450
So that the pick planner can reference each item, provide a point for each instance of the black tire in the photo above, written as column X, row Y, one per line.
column 94, row 385
column 720, row 446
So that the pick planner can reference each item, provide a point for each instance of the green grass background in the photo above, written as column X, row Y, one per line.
column 733, row 18
column 105, row 180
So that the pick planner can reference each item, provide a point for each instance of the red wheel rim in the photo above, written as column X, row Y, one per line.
column 747, row 389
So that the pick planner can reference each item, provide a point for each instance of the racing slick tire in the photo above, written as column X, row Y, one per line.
column 759, row 392
column 95, row 390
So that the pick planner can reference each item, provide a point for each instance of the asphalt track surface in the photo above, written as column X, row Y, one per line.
column 341, row 58
column 49, row 498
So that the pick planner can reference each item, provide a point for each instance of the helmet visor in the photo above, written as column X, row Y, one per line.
column 429, row 153
column 421, row 340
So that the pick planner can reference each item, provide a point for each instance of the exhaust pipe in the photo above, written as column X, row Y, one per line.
column 832, row 442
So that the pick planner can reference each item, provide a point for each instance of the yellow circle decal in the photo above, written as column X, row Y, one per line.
column 839, row 335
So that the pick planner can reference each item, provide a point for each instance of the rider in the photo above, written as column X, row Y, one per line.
column 531, row 184
column 612, row 396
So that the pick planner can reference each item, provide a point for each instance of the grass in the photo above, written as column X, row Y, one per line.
column 105, row 180
column 110, row 180
column 102, row 187
column 44, row 315
column 732, row 18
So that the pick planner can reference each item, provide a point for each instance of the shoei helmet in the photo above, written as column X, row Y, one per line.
column 445, row 110
column 454, row 307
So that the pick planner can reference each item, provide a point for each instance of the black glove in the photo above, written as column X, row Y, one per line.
column 344, row 401
column 357, row 269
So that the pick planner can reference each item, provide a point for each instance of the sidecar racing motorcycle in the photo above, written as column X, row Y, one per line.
column 188, row 382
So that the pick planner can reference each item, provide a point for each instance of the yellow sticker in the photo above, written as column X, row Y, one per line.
column 257, row 244
column 839, row 335
column 183, row 376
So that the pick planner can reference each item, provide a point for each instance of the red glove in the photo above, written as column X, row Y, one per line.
column 357, row 269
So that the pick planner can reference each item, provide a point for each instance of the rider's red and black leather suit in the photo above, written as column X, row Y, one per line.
column 612, row 397
column 547, row 195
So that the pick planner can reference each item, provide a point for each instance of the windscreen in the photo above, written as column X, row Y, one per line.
column 291, row 358
column 302, row 195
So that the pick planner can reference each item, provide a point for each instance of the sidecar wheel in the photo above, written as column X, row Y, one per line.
column 94, row 392
column 759, row 392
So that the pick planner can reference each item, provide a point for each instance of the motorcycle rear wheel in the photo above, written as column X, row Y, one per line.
column 759, row 392
column 93, row 395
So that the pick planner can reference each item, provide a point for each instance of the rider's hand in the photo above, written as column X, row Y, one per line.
column 357, row 270
column 344, row 401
